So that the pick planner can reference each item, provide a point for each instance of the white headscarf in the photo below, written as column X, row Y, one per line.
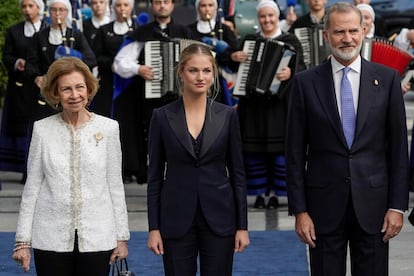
column 113, row 13
column 369, row 9
column 68, row 6
column 40, row 5
column 268, row 4
column 204, row 26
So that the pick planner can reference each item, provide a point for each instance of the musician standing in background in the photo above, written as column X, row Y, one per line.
column 346, row 149
column 380, row 26
column 134, row 110
column 99, row 18
column 20, row 93
column 53, row 42
column 208, row 28
column 368, row 19
column 108, row 41
column 262, row 117
column 308, row 29
column 313, row 17
column 405, row 39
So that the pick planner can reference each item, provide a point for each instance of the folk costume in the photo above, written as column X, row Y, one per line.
column 20, row 97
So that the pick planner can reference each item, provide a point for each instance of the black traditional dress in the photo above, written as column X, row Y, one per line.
column 90, row 32
column 18, row 103
column 107, row 44
column 262, row 125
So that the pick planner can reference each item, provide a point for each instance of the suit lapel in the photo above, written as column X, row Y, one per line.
column 368, row 90
column 177, row 121
column 213, row 125
column 325, row 90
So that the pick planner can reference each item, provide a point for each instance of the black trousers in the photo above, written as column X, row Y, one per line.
column 368, row 253
column 50, row 263
column 215, row 252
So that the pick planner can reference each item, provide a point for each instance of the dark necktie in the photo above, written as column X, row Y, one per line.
column 347, row 108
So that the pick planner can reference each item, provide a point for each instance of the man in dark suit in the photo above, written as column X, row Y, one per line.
column 347, row 156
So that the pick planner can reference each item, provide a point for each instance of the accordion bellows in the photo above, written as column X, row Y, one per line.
column 385, row 53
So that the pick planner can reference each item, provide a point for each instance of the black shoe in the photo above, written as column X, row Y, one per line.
column 127, row 179
column 273, row 203
column 259, row 203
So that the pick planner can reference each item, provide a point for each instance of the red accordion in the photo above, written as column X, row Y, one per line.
column 383, row 52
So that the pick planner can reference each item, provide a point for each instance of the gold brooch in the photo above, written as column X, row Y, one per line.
column 98, row 137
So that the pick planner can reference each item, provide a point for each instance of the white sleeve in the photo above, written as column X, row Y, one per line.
column 401, row 40
column 32, row 187
column 126, row 61
column 283, row 25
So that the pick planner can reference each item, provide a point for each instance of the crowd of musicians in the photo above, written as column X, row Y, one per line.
column 114, row 43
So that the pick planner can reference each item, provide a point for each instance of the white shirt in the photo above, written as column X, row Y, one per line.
column 126, row 61
column 401, row 41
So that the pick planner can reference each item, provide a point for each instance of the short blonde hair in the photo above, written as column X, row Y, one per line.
column 62, row 67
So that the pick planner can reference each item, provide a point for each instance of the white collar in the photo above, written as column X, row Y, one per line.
column 29, row 31
column 337, row 66
column 277, row 33
column 55, row 36
column 121, row 28
column 204, row 26
column 97, row 23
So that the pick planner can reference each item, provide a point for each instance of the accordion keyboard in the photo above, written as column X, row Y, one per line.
column 243, row 72
column 153, row 58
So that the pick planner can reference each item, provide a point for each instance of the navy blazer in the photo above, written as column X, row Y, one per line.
column 322, row 173
column 178, row 180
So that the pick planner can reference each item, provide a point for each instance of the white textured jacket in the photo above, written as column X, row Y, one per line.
column 74, row 182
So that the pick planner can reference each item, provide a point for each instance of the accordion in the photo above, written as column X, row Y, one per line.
column 315, row 50
column 163, row 56
column 265, row 59
column 383, row 52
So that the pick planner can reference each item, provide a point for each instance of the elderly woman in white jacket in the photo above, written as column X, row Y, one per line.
column 73, row 211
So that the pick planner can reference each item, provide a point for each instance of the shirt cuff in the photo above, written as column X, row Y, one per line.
column 396, row 210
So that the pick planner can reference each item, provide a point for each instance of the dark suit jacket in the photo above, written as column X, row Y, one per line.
column 178, row 180
column 373, row 173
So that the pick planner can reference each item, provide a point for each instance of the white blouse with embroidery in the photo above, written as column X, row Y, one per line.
column 74, row 182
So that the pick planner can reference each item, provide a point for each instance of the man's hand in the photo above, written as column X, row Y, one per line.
column 146, row 72
column 155, row 242
column 241, row 240
column 393, row 222
column 305, row 229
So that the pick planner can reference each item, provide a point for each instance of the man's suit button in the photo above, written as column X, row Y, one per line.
column 351, row 156
column 348, row 179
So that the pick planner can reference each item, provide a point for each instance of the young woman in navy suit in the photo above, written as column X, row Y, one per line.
column 196, row 182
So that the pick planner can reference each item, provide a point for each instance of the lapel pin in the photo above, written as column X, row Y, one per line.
column 376, row 82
